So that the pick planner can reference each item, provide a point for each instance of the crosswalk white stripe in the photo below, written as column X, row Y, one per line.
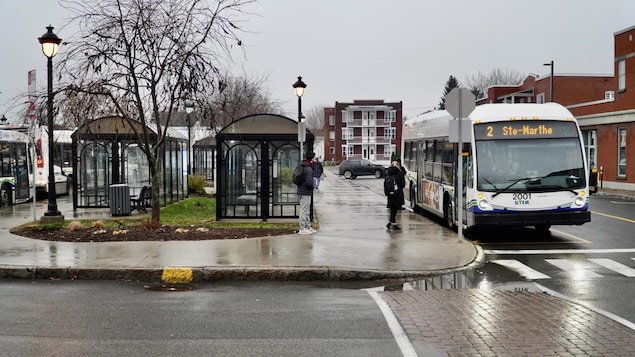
column 615, row 266
column 522, row 269
column 575, row 269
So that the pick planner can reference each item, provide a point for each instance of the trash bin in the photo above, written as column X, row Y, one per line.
column 119, row 196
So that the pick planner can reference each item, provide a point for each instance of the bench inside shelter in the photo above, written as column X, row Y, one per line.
column 143, row 200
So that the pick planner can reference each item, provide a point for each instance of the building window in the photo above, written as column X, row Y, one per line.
column 390, row 116
column 347, row 133
column 331, row 120
column 621, row 75
column 540, row 98
column 621, row 152
column 331, row 136
column 347, row 116
column 347, row 151
column 389, row 150
column 390, row 133
column 590, row 146
column 332, row 150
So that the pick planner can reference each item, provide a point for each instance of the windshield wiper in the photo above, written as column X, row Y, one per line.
column 534, row 178
column 490, row 182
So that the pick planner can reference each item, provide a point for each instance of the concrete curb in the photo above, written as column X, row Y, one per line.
column 206, row 274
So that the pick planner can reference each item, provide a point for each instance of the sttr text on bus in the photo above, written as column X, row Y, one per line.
column 524, row 165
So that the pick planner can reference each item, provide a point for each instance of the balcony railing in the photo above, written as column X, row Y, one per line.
column 368, row 140
column 368, row 123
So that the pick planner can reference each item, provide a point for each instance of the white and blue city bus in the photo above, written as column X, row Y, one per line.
column 524, row 165
column 14, row 168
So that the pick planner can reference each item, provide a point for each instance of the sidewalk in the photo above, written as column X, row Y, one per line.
column 352, row 244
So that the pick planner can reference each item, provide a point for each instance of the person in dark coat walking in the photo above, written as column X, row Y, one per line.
column 395, row 201
column 305, row 191
column 318, row 170
column 402, row 173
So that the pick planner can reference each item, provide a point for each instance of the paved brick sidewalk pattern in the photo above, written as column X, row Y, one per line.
column 473, row 322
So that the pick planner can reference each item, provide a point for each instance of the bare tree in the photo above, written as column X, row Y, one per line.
column 479, row 83
column 147, row 57
column 315, row 118
column 77, row 107
column 235, row 98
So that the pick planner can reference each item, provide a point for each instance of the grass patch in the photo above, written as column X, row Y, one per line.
column 190, row 212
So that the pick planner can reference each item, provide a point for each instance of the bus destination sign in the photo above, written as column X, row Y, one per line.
column 525, row 129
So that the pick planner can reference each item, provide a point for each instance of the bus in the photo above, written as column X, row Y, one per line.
column 15, row 167
column 62, row 157
column 523, row 165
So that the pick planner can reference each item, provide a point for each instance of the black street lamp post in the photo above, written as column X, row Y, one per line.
column 299, row 87
column 189, row 108
column 550, row 81
column 50, row 42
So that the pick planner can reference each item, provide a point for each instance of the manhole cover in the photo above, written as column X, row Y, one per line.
column 169, row 287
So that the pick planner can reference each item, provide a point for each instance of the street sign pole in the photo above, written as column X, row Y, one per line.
column 459, row 102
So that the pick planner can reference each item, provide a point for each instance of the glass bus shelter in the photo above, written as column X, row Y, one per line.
column 256, row 156
column 204, row 158
column 106, row 152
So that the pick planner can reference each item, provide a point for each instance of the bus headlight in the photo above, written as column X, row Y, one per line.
column 483, row 204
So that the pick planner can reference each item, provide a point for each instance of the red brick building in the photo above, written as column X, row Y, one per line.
column 363, row 129
column 604, row 106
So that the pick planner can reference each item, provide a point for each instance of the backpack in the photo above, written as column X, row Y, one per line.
column 298, row 175
column 390, row 186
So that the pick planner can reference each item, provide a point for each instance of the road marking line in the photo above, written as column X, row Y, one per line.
column 400, row 335
column 576, row 269
column 176, row 275
column 614, row 217
column 611, row 316
column 615, row 266
column 522, row 269
column 571, row 236
column 559, row 251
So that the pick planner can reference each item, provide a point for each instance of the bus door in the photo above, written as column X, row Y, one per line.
column 21, row 172
column 467, row 172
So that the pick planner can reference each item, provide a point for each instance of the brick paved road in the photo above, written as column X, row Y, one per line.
column 473, row 322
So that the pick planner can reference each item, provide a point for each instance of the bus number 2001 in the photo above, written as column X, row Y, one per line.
column 521, row 198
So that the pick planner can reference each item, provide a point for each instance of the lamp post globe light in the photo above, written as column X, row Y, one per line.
column 189, row 108
column 299, row 87
column 50, row 43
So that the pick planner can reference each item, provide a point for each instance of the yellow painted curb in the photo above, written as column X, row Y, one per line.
column 175, row 275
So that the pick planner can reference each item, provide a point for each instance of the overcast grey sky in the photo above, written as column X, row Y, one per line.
column 371, row 49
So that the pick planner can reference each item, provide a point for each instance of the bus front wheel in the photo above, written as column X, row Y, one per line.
column 5, row 195
column 413, row 198
column 448, row 214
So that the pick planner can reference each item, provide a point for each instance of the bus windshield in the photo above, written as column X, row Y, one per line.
column 530, row 165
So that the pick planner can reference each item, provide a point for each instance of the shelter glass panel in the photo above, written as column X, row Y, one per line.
column 136, row 169
column 94, row 175
column 204, row 162
column 242, row 178
column 284, row 156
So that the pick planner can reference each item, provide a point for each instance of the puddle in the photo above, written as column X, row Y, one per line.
column 469, row 279
column 169, row 287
